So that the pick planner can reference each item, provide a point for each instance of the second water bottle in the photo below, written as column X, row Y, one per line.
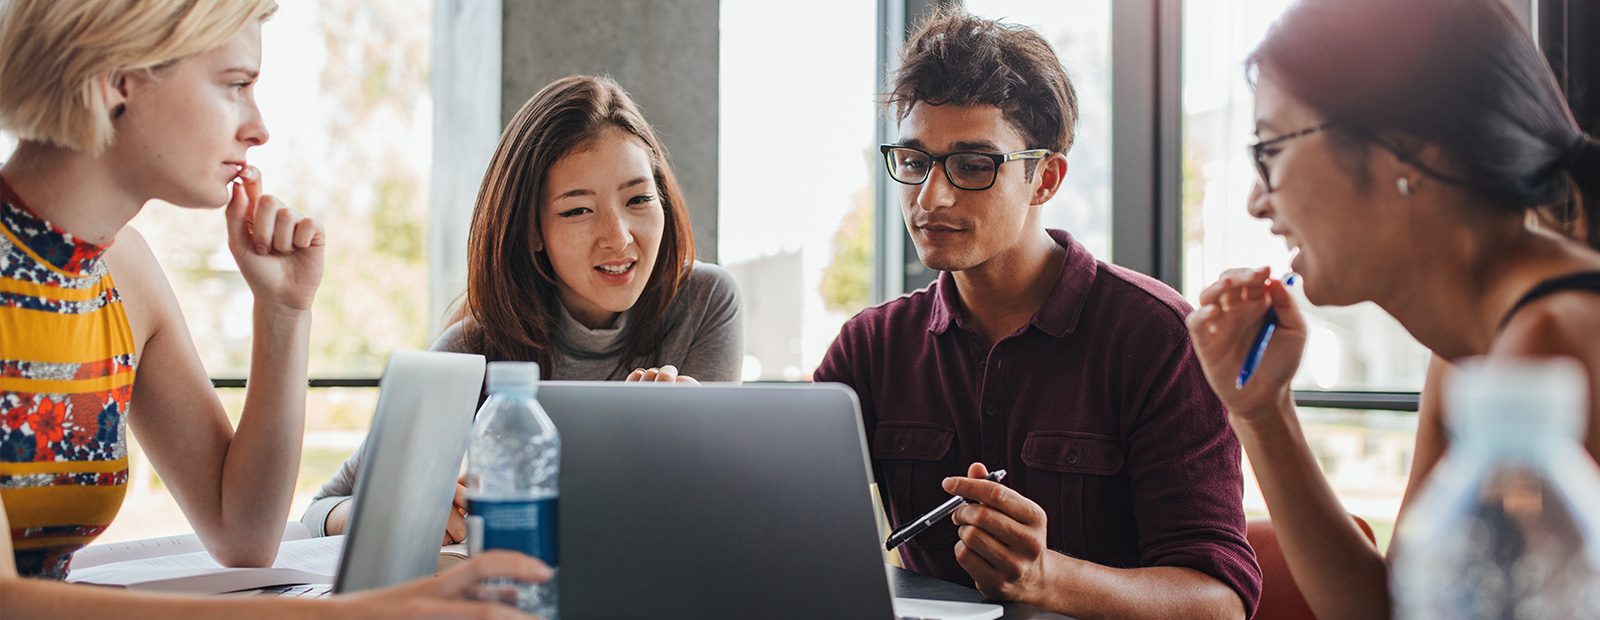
column 513, row 461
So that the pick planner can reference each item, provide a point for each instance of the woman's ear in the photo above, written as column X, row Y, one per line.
column 1403, row 154
column 114, row 90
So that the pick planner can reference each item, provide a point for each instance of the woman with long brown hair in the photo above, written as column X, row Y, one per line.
column 581, row 259
column 581, row 254
column 1418, row 155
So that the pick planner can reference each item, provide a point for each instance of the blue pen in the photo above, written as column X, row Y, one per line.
column 1259, row 345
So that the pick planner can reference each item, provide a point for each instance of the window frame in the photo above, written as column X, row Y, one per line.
column 1147, row 153
column 1147, row 146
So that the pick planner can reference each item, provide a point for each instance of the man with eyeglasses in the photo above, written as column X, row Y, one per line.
column 1124, row 493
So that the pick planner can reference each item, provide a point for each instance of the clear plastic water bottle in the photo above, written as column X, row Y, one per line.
column 512, row 464
column 1508, row 526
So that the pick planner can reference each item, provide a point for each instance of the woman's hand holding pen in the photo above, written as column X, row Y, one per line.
column 1002, row 537
column 1229, row 320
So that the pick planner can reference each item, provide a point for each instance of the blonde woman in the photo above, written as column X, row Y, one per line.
column 116, row 104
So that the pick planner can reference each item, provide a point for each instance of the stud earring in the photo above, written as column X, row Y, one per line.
column 1405, row 186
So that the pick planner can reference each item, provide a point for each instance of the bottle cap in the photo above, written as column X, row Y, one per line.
column 509, row 376
column 1518, row 396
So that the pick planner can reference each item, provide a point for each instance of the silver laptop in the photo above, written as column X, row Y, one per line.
column 407, row 481
column 717, row 502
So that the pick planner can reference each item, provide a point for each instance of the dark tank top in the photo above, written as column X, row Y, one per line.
column 1580, row 281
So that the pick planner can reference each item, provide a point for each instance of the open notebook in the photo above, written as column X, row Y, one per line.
column 180, row 564
column 418, row 437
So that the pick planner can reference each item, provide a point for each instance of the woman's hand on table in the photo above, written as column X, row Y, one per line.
column 664, row 374
column 446, row 595
column 455, row 529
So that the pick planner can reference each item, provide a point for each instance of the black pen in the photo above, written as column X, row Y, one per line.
column 944, row 511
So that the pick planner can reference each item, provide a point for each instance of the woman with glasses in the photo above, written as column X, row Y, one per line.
column 118, row 105
column 581, row 258
column 1418, row 155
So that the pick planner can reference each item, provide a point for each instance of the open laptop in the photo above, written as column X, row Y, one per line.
column 720, row 502
column 409, row 465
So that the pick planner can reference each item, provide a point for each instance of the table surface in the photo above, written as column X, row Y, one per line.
column 917, row 585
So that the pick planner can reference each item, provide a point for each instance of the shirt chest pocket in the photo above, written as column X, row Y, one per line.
column 1072, row 473
column 913, row 459
column 1072, row 453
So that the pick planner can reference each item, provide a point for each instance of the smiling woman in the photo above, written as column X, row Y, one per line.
column 601, row 227
column 580, row 254
column 580, row 259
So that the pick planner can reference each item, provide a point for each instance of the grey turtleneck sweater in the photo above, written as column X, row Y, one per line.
column 701, row 336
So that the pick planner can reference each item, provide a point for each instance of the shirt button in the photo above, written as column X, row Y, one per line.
column 1072, row 457
column 989, row 411
column 902, row 445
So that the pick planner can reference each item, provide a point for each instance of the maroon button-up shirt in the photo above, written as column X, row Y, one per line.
column 1097, row 409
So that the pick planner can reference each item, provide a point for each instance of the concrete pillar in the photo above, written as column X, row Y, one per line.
column 489, row 56
column 466, row 81
column 665, row 54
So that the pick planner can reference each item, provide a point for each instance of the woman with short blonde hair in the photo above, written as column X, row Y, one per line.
column 118, row 103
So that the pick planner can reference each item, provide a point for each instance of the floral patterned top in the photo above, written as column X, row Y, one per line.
column 66, row 372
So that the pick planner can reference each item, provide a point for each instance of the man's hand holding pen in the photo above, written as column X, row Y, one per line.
column 1002, row 537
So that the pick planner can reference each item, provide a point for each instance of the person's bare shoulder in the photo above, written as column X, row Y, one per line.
column 1561, row 324
column 146, row 296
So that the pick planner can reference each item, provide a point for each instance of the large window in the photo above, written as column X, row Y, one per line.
column 1354, row 348
column 1366, row 456
column 802, row 245
column 1080, row 32
column 344, row 91
column 795, row 225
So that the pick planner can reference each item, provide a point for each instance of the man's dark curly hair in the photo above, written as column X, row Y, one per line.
column 956, row 58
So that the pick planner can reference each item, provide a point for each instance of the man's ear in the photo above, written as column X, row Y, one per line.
column 1050, row 172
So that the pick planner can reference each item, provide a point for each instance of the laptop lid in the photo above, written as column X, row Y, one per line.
column 409, row 466
column 715, row 502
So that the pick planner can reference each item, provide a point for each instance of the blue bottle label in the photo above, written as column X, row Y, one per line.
column 526, row 526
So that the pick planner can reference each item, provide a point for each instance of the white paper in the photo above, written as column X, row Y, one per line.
column 96, row 555
column 311, row 560
column 945, row 610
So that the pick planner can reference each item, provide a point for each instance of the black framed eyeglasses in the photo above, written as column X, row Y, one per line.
column 1258, row 151
column 966, row 170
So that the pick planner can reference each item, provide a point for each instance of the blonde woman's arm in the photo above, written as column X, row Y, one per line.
column 234, row 485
